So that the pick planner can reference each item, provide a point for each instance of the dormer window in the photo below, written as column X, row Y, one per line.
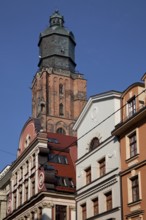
column 27, row 141
column 132, row 106
column 94, row 143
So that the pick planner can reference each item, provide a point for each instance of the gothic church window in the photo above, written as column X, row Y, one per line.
column 61, row 109
column 60, row 131
column 60, row 89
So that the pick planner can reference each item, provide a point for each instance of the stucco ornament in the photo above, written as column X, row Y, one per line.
column 94, row 113
column 41, row 180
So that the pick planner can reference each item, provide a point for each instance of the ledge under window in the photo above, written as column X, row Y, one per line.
column 132, row 158
column 134, row 203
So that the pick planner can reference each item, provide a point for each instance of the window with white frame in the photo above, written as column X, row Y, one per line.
column 133, row 144
column 135, row 188
column 88, row 175
column 84, row 211
column 102, row 167
column 108, row 197
column 95, row 206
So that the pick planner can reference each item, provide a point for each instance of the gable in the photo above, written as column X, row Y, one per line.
column 28, row 134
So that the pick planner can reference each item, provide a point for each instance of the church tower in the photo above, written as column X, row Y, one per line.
column 58, row 91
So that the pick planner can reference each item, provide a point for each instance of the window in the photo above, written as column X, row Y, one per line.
column 33, row 186
column 94, row 143
column 21, row 173
column 61, row 109
column 27, row 166
column 95, row 206
column 102, row 167
column 108, row 201
column 60, row 89
column 26, row 191
column 65, row 181
column 27, row 141
column 131, row 106
column 39, row 213
column 16, row 178
column 32, row 216
column 20, row 196
column 88, row 175
column 61, row 213
column 135, row 189
column 53, row 140
column 14, row 200
column 33, row 160
column 84, row 212
column 62, row 159
column 58, row 158
column 60, row 131
column 133, row 144
column 42, row 107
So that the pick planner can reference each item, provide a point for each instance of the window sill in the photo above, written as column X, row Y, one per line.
column 134, row 203
column 132, row 158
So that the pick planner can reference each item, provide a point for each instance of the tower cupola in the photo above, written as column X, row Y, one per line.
column 56, row 20
column 57, row 45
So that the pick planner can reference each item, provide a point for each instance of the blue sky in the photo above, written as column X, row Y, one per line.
column 110, row 52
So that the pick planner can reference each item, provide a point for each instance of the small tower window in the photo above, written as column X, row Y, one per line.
column 61, row 109
column 60, row 89
column 60, row 131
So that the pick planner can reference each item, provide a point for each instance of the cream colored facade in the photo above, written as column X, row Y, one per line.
column 3, row 200
column 97, row 121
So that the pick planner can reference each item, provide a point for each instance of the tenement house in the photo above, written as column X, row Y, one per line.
column 98, row 159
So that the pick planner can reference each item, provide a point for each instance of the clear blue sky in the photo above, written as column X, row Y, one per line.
column 110, row 52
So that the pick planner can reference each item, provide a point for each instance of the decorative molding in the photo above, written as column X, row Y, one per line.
column 47, row 205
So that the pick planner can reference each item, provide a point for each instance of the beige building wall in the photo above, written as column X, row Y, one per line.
column 2, row 204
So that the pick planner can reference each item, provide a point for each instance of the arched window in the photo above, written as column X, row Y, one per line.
column 60, row 89
column 61, row 109
column 94, row 143
column 60, row 131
